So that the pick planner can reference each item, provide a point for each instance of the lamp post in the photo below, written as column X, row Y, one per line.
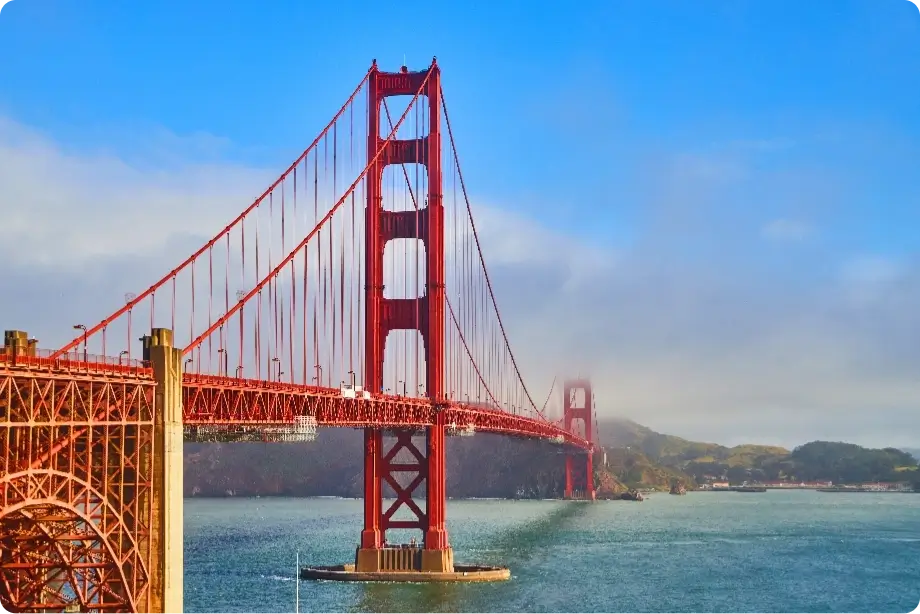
column 319, row 375
column 239, row 372
column 222, row 361
column 83, row 328
column 121, row 355
column 352, row 374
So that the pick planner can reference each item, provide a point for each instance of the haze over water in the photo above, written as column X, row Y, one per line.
column 706, row 552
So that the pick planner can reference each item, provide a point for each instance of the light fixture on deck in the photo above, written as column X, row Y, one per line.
column 83, row 328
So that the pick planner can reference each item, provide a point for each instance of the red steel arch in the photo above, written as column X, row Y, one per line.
column 81, row 564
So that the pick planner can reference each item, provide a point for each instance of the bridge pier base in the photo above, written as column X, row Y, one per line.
column 404, row 559
column 441, row 561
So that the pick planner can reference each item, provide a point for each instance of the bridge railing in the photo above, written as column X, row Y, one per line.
column 74, row 361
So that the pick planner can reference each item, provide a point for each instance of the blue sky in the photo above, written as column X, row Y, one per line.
column 584, row 97
column 768, row 147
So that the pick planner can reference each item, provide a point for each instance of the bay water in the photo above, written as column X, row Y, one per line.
column 779, row 551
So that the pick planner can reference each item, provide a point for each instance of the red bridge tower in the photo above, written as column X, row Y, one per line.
column 424, row 314
column 577, row 406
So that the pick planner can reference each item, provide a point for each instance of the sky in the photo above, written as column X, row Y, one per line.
column 712, row 208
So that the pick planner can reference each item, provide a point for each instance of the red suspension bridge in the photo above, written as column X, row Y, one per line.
column 352, row 293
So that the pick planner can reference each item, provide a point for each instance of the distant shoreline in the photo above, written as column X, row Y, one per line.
column 815, row 488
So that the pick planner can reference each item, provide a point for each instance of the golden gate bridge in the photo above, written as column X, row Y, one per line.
column 352, row 293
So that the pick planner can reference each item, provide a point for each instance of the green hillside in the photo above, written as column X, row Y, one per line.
column 634, row 469
column 814, row 461
column 693, row 458
column 847, row 462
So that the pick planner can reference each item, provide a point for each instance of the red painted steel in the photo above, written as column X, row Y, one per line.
column 423, row 313
column 372, row 535
column 75, row 532
column 219, row 400
column 214, row 400
column 572, row 411
column 436, row 492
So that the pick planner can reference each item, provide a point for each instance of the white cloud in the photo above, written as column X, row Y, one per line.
column 512, row 240
column 80, row 207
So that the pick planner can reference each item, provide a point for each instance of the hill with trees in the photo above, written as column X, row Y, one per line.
column 633, row 469
column 848, row 463
column 694, row 458
column 815, row 461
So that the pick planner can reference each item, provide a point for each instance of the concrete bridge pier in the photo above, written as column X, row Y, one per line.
column 166, row 575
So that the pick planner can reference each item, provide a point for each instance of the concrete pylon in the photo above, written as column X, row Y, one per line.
column 166, row 575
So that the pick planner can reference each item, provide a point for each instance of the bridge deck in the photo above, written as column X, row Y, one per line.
column 219, row 400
